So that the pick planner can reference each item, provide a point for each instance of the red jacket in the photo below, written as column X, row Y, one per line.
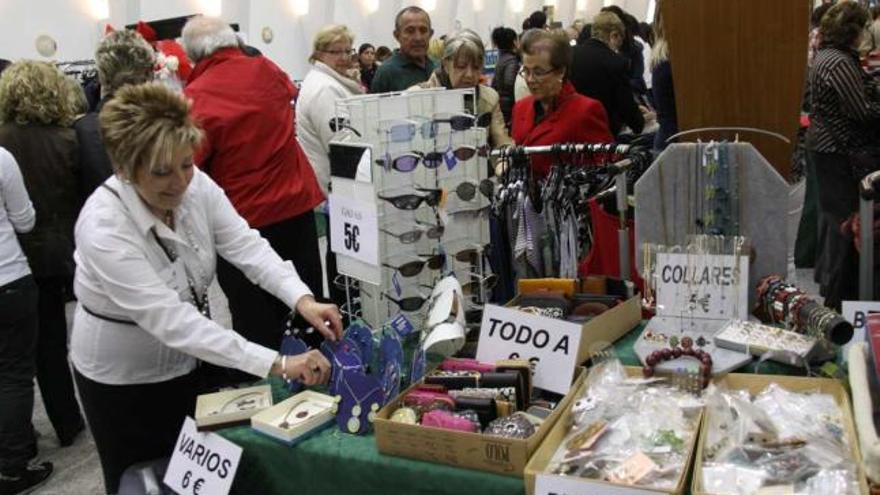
column 244, row 105
column 577, row 119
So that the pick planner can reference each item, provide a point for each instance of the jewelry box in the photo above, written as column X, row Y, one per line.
column 231, row 407
column 297, row 416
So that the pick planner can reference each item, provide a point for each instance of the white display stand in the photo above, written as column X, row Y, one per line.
column 370, row 127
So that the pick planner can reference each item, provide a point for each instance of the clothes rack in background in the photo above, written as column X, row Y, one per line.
column 551, row 222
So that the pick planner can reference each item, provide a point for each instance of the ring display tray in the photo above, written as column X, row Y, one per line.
column 296, row 417
column 231, row 407
column 759, row 340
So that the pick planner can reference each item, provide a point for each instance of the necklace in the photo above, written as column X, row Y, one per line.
column 354, row 422
column 304, row 413
column 241, row 402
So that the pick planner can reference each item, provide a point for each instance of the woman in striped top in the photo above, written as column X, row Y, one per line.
column 844, row 118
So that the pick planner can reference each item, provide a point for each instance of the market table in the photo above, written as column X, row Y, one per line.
column 332, row 462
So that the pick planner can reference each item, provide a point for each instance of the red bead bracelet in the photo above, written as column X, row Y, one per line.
column 686, row 349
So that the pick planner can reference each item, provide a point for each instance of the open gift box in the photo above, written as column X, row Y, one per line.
column 469, row 450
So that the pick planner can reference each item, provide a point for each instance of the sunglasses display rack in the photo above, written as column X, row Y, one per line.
column 420, row 167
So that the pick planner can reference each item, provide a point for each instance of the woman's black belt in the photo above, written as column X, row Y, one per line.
column 107, row 318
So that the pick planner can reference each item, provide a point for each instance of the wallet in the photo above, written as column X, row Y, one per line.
column 448, row 421
column 485, row 408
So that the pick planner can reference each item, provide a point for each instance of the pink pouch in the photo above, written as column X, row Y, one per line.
column 447, row 421
column 464, row 364
column 428, row 400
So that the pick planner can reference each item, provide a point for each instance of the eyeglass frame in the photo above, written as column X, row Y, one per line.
column 525, row 73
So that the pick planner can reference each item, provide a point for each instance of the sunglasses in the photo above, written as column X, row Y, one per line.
column 458, row 122
column 473, row 287
column 342, row 281
column 405, row 131
column 413, row 201
column 338, row 123
column 467, row 191
column 471, row 213
column 413, row 303
column 407, row 162
column 413, row 268
column 468, row 255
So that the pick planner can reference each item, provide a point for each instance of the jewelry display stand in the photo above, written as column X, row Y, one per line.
column 231, row 407
column 296, row 417
column 417, row 160
column 715, row 189
column 690, row 313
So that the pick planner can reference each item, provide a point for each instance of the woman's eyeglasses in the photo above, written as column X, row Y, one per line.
column 412, row 303
column 337, row 53
column 537, row 74
column 413, row 268
column 413, row 201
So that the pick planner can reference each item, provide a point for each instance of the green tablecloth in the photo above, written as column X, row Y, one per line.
column 332, row 462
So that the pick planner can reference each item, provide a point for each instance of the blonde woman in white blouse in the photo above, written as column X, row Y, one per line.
column 147, row 243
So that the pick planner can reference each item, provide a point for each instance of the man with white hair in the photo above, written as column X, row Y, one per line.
column 250, row 149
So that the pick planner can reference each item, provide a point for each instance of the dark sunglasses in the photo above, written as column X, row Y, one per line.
column 458, row 122
column 433, row 231
column 413, row 268
column 468, row 190
column 413, row 201
column 484, row 119
column 339, row 123
column 413, row 303
column 408, row 162
column 473, row 287
column 471, row 213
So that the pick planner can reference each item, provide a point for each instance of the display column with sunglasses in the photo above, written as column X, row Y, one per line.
column 416, row 163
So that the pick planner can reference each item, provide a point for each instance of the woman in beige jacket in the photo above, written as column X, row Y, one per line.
column 461, row 67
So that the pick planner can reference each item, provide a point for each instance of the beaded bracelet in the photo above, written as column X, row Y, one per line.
column 686, row 349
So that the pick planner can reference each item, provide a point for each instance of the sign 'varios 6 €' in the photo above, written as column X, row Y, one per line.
column 550, row 345
column 202, row 463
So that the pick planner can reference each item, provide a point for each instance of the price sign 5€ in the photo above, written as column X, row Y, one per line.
column 354, row 229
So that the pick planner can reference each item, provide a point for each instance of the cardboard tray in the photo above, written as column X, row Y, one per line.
column 602, row 331
column 755, row 384
column 545, row 453
column 468, row 450
column 217, row 410
column 268, row 420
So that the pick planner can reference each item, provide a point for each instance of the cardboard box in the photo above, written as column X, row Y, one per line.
column 757, row 383
column 469, row 450
column 602, row 331
column 231, row 407
column 545, row 453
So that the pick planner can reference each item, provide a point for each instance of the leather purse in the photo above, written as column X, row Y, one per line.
column 448, row 421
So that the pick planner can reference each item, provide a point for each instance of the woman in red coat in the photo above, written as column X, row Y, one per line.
column 554, row 113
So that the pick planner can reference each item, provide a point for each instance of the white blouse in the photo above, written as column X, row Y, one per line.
column 123, row 273
column 16, row 215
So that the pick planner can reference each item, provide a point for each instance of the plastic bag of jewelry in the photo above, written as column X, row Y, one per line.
column 628, row 431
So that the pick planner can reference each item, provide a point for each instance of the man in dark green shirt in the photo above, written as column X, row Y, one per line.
column 410, row 64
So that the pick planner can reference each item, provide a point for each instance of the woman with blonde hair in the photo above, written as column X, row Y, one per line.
column 147, row 244
column 330, row 80
column 36, row 110
column 662, row 88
